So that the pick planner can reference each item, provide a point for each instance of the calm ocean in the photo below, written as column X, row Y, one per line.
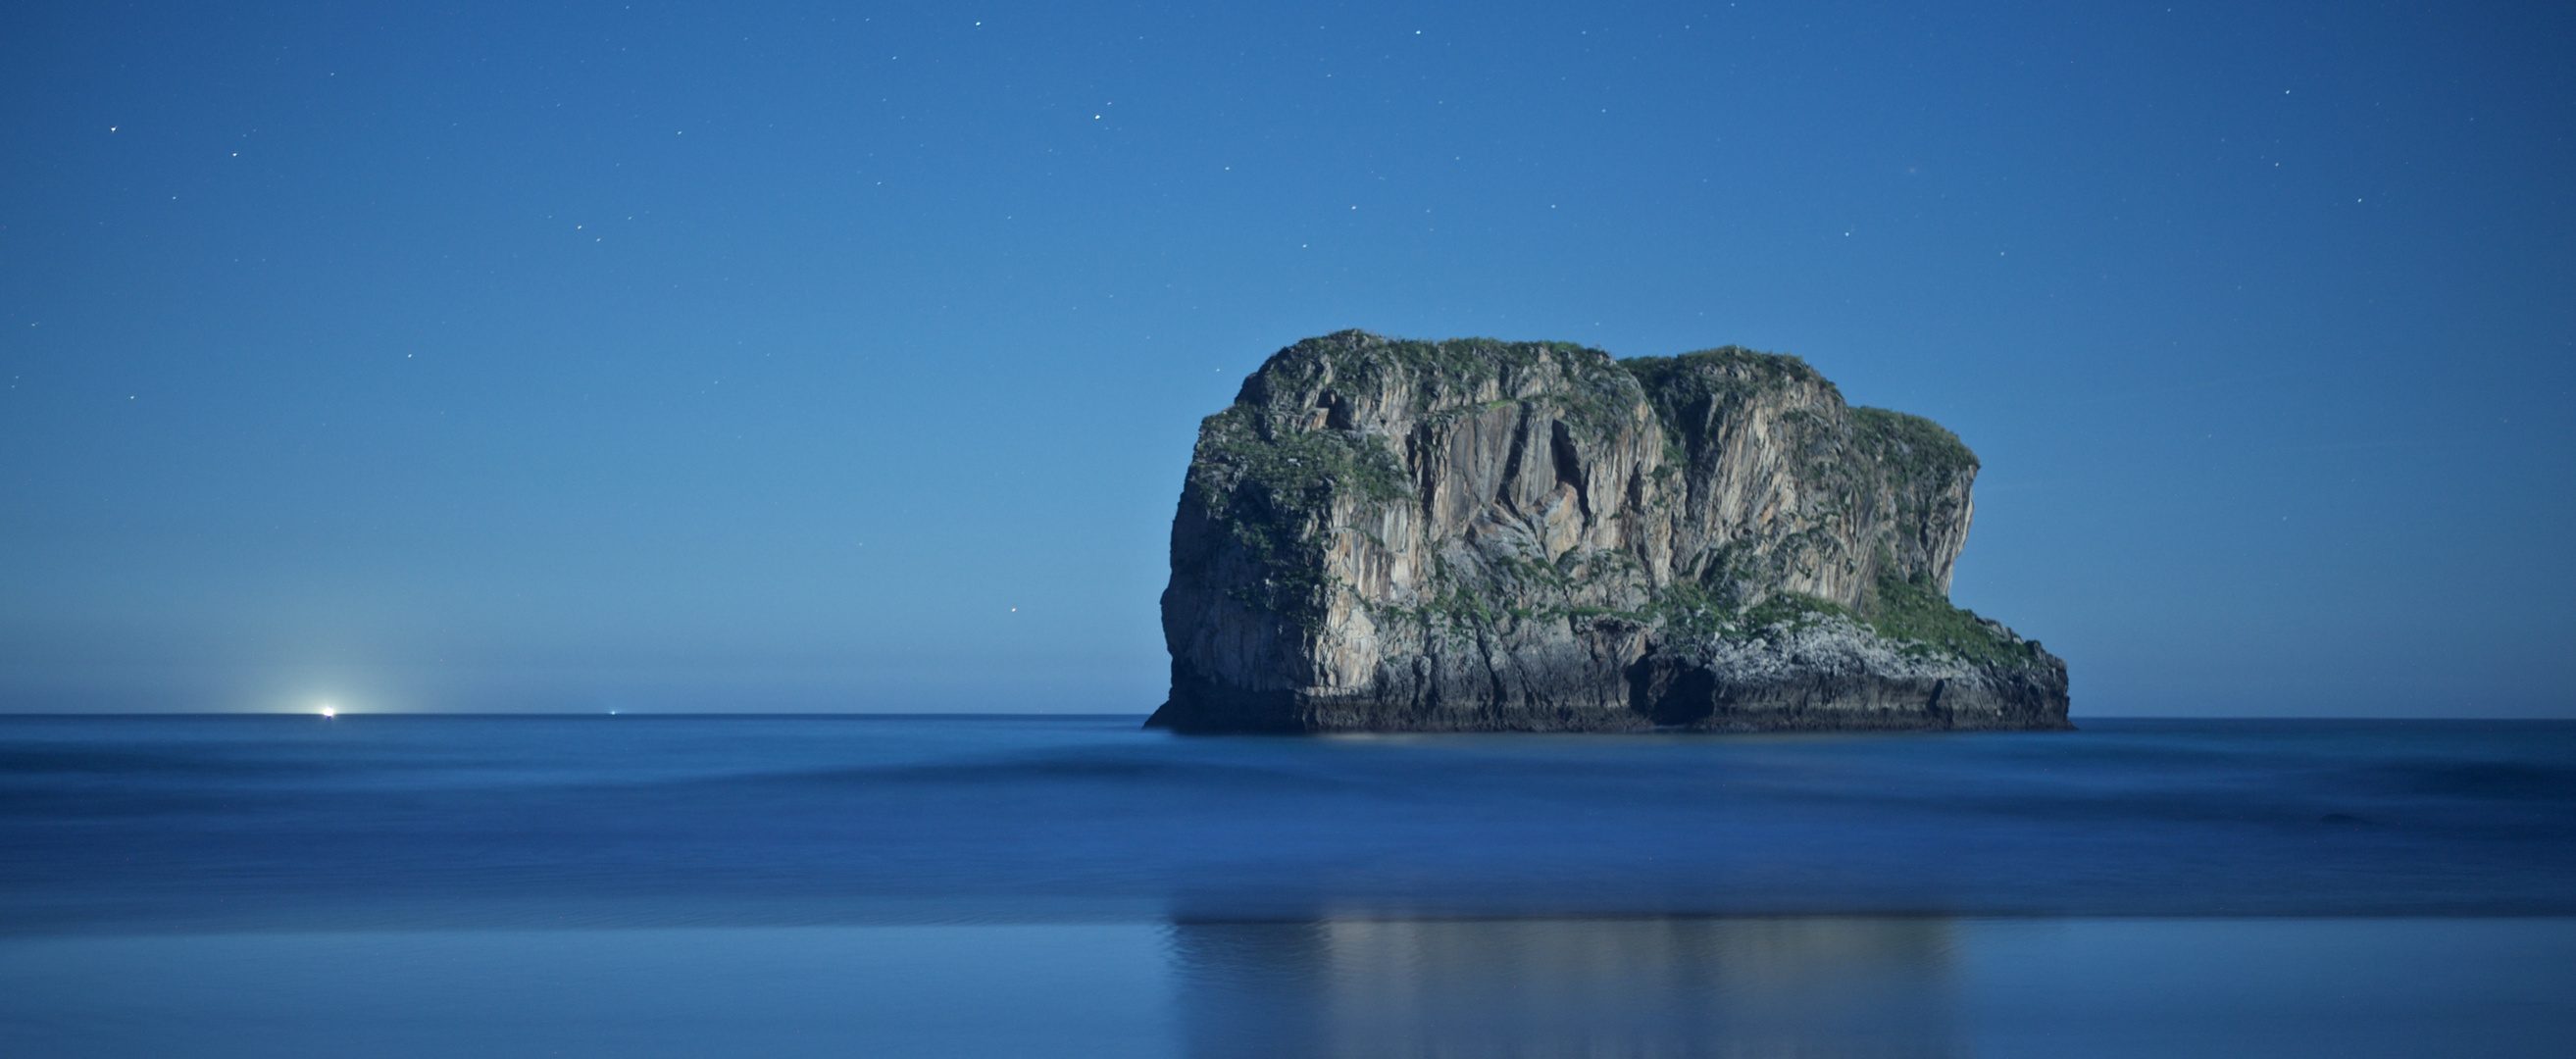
column 974, row 886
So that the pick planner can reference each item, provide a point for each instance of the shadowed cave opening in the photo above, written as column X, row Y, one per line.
column 1671, row 695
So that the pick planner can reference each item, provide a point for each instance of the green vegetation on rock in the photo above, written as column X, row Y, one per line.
column 1911, row 614
column 1794, row 608
column 1271, row 493
column 1683, row 388
column 1915, row 612
column 1914, row 447
column 1588, row 388
column 1300, row 470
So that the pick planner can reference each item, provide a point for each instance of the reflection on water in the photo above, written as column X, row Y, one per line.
column 1657, row 987
column 1996, row 989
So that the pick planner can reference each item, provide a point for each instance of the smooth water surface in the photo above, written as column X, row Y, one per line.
column 1072, row 886
column 1817, row 987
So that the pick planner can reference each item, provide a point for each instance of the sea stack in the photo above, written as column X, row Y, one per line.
column 1472, row 535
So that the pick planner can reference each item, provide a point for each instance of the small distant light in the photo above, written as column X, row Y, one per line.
column 330, row 711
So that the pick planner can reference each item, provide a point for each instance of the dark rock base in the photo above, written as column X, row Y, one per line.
column 1660, row 694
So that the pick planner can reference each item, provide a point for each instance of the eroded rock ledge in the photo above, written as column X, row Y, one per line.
column 1472, row 535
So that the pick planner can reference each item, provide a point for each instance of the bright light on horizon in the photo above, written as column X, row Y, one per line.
column 329, row 710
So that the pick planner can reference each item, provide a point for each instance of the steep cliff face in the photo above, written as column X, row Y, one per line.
column 1388, row 535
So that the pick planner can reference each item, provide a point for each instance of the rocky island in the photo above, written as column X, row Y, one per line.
column 1474, row 535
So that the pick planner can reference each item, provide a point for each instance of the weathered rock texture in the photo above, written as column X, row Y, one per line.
column 1386, row 535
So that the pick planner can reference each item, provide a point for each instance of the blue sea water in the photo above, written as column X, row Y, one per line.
column 965, row 886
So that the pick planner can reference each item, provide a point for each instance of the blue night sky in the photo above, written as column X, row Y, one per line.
column 765, row 357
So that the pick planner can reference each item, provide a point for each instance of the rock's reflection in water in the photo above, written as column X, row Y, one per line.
column 1651, row 987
